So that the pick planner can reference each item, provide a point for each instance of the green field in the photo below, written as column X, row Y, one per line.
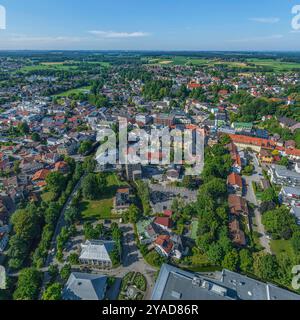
column 41, row 67
column 101, row 209
column 73, row 91
column 278, row 246
column 194, row 230
column 275, row 64
column 61, row 66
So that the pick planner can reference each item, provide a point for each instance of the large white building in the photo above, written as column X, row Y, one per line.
column 97, row 252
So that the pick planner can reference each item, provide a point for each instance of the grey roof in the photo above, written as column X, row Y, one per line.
column 296, row 212
column 85, row 286
column 291, row 190
column 282, row 171
column 177, row 284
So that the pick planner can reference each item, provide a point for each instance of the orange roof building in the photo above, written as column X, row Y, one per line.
column 41, row 175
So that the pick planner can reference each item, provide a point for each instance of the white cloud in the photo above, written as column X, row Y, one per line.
column 270, row 20
column 117, row 35
column 27, row 38
column 255, row 39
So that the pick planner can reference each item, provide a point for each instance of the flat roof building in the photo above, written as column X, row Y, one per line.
column 177, row 284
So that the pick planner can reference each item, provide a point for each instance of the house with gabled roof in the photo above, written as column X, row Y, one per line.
column 85, row 286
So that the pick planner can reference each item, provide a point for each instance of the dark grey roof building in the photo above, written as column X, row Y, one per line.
column 177, row 284
column 85, row 286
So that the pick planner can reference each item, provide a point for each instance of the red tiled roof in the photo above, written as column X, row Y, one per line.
column 293, row 152
column 194, row 85
column 252, row 141
column 235, row 179
column 40, row 175
column 60, row 165
column 164, row 242
column 168, row 213
column 163, row 221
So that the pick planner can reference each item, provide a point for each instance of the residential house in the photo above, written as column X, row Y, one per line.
column 289, row 123
column 235, row 183
column 62, row 167
column 164, row 245
column 237, row 205
column 266, row 156
column 164, row 119
column 122, row 200
column 164, row 222
column 39, row 178
column 237, row 235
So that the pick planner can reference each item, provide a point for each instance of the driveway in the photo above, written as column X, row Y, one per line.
column 251, row 197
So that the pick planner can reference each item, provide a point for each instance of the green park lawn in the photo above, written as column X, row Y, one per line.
column 278, row 246
column 97, row 209
column 73, row 91
column 194, row 230
column 101, row 208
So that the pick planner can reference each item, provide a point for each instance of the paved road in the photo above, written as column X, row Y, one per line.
column 60, row 224
column 251, row 197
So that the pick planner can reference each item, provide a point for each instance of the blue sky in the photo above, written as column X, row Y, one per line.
column 150, row 25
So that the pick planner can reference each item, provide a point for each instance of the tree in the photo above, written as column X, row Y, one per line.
column 231, row 260
column 133, row 214
column 89, row 164
column 23, row 128
column 53, row 292
column 279, row 223
column 296, row 242
column 265, row 266
column 284, row 161
column 246, row 260
column 92, row 186
column 65, row 272
column 72, row 215
column 269, row 195
column 28, row 284
column 73, row 258
column 56, row 182
column 85, row 146
column 36, row 137
column 215, row 254
column 53, row 271
column 25, row 223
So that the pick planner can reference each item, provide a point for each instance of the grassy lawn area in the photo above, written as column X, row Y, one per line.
column 97, row 209
column 276, row 64
column 194, row 230
column 279, row 246
column 101, row 208
column 73, row 91
column 55, row 66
